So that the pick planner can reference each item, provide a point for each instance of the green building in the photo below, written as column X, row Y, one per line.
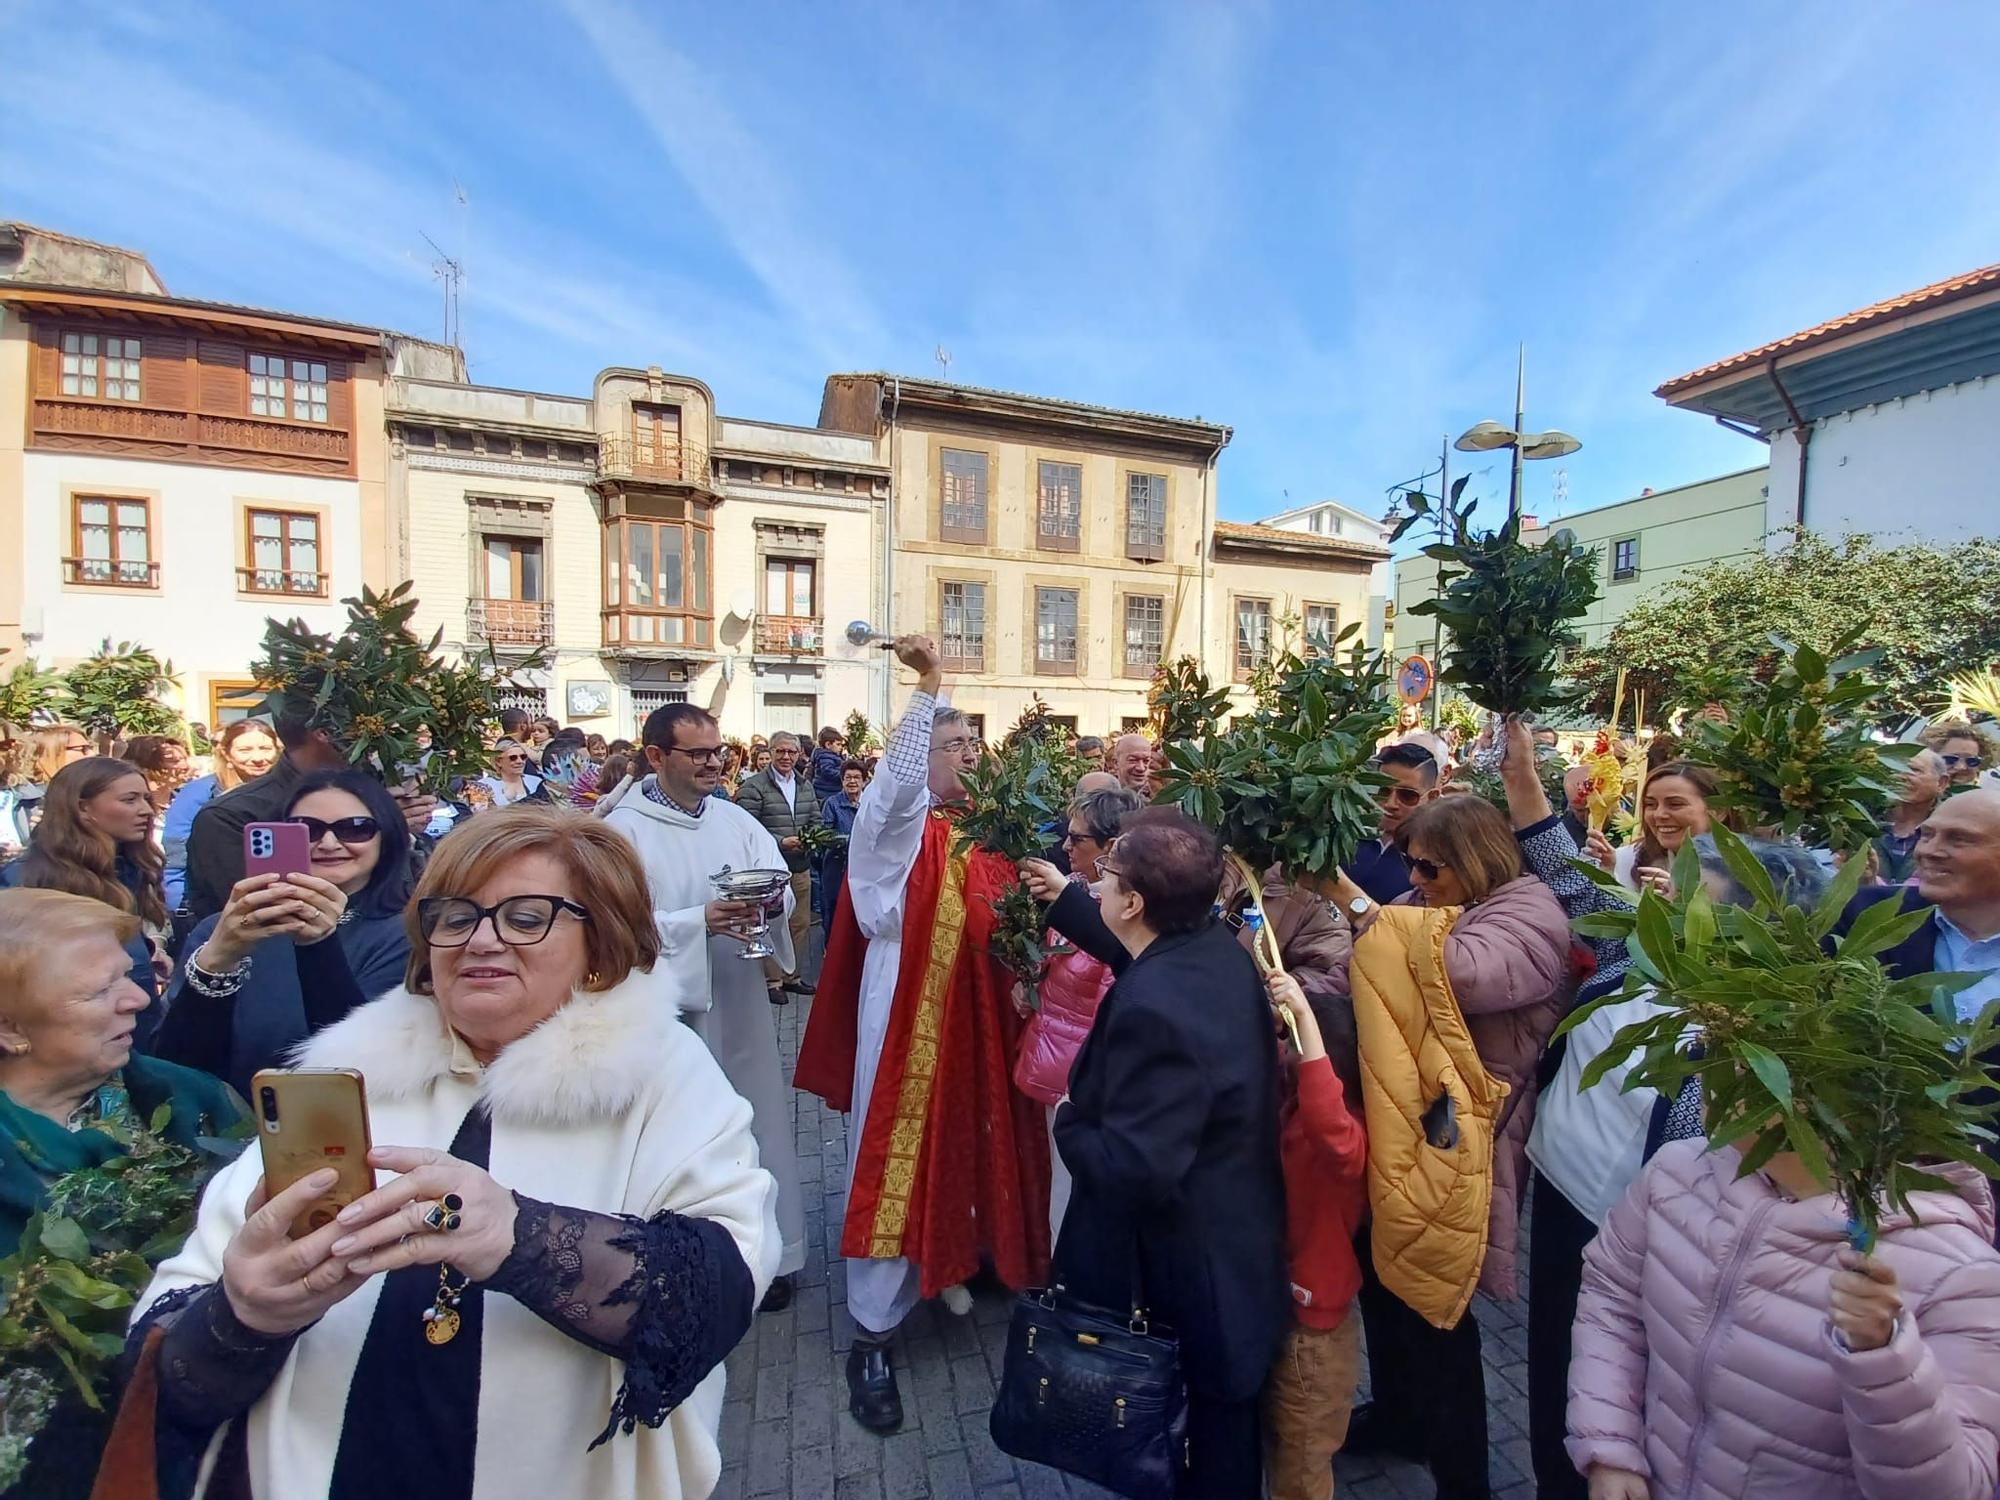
column 1643, row 544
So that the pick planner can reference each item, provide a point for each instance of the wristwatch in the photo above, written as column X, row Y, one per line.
column 1358, row 906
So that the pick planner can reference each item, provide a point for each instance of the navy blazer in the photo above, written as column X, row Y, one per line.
column 1383, row 873
column 1916, row 954
column 1171, row 1134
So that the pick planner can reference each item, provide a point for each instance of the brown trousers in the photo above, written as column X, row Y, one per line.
column 801, row 925
column 1307, row 1402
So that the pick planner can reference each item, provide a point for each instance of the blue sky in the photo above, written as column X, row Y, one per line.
column 1327, row 225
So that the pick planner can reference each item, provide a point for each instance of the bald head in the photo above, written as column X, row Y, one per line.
column 1958, row 861
column 1132, row 763
column 1096, row 781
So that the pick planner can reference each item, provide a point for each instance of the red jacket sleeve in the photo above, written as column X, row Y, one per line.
column 1336, row 1135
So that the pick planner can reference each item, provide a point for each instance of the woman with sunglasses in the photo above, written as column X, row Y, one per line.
column 37, row 756
column 289, row 955
column 511, row 780
column 569, row 1232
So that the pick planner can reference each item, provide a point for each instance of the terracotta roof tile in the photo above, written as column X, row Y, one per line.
column 1276, row 536
column 1986, row 278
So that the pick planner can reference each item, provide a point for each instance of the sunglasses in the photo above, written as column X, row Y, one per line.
column 356, row 830
column 519, row 921
column 1430, row 869
column 1402, row 796
column 1969, row 761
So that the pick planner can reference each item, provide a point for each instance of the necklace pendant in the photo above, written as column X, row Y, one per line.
column 441, row 1325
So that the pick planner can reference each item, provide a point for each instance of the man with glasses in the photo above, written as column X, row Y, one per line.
column 684, row 836
column 784, row 802
column 1379, row 867
column 914, row 1036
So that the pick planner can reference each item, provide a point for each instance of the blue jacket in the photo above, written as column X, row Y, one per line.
column 174, row 832
column 826, row 766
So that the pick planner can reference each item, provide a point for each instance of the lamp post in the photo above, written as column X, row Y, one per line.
column 1484, row 436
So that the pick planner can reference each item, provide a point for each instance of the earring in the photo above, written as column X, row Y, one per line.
column 590, row 979
column 21, row 1048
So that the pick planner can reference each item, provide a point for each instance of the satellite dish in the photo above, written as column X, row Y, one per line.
column 742, row 604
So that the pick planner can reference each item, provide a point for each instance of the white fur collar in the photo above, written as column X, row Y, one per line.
column 592, row 1059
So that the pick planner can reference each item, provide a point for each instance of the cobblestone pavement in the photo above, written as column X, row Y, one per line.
column 785, row 1427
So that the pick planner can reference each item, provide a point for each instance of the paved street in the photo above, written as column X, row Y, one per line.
column 786, row 1432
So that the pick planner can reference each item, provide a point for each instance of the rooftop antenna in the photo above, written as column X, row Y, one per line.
column 1562, row 490
column 943, row 356
column 452, row 273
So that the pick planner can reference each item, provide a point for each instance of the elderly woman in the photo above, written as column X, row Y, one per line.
column 289, row 956
column 95, row 839
column 72, row 1092
column 539, row 1299
column 1503, row 965
column 248, row 748
column 1171, row 1135
column 37, row 757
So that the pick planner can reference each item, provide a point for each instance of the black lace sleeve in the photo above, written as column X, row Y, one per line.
column 211, row 1367
column 669, row 1295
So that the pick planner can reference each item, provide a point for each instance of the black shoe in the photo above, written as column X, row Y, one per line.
column 779, row 997
column 872, row 1396
column 1369, row 1430
column 779, row 1295
column 801, row 986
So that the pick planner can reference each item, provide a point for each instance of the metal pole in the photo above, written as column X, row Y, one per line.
column 1437, row 628
column 1520, row 425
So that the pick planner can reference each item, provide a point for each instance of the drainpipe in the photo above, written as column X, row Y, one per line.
column 1204, row 547
column 884, row 659
column 1800, row 427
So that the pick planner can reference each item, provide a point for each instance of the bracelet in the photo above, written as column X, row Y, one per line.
column 215, row 986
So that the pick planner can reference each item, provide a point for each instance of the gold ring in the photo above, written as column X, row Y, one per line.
column 443, row 1214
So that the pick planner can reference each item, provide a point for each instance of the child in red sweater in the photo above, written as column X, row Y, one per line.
column 1312, row 1386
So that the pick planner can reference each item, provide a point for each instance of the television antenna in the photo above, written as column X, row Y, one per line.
column 943, row 357
column 450, row 271
column 1562, row 491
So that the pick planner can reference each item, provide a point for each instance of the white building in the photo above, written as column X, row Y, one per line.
column 1331, row 519
column 1884, row 421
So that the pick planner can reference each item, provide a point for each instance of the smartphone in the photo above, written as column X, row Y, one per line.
column 277, row 849
column 309, row 1118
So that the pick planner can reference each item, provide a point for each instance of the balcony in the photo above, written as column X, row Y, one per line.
column 790, row 635
column 523, row 624
column 287, row 581
column 656, row 632
column 654, row 461
column 104, row 572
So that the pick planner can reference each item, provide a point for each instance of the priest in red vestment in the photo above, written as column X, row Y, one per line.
column 913, row 1035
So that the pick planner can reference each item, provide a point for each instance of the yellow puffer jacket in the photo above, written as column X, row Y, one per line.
column 1430, row 1203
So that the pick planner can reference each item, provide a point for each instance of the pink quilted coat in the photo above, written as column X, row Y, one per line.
column 1508, row 959
column 1703, row 1358
column 1073, row 986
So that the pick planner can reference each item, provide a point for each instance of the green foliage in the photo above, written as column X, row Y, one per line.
column 821, row 839
column 1292, row 785
column 1485, row 780
column 66, row 1293
column 1936, row 612
column 1038, row 732
column 1507, row 608
column 1456, row 712
column 1184, row 704
column 376, row 686
column 116, row 692
column 1014, row 795
column 1821, row 1054
column 28, row 694
column 861, row 736
column 1799, row 756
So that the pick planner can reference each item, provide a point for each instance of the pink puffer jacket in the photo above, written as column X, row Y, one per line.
column 1073, row 986
column 1703, row 1358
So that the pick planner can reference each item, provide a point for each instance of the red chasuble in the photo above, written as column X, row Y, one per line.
column 950, row 1160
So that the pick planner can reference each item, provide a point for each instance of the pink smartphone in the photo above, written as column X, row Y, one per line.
column 277, row 849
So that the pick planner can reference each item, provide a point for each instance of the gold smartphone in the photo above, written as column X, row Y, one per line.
column 308, row 1119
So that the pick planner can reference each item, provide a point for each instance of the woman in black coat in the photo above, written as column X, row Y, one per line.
column 1171, row 1134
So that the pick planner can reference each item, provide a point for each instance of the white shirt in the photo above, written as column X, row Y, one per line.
column 789, row 785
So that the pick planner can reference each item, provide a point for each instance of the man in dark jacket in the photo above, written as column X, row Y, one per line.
column 1171, row 1134
column 1379, row 867
column 783, row 801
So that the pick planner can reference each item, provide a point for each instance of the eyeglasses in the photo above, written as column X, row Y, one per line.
column 1430, row 869
column 519, row 921
column 701, row 755
column 1071, row 836
column 356, row 830
column 954, row 747
column 1105, row 867
column 1402, row 796
column 1971, row 762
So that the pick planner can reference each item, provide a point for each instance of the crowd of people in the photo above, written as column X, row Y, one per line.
column 585, row 1153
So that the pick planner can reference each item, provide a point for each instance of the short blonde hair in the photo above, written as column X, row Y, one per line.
column 602, row 865
column 36, row 926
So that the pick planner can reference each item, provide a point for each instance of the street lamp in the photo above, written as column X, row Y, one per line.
column 1483, row 437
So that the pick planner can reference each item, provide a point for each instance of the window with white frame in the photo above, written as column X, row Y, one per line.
column 1146, row 517
column 962, row 621
column 1145, row 625
column 1056, row 630
column 100, row 366
column 1253, row 634
column 1059, row 511
column 1322, row 626
column 281, row 387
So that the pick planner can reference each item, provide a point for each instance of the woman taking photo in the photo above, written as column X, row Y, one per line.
column 1505, row 964
column 248, row 748
column 95, row 839
column 289, row 956
column 568, row 1188
column 72, row 1095
column 1171, row 1136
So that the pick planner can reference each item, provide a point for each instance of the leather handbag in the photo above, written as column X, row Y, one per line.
column 1094, row 1393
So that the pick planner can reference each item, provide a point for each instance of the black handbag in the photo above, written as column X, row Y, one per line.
column 1093, row 1393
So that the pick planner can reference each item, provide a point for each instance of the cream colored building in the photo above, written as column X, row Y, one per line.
column 1285, row 589
column 655, row 551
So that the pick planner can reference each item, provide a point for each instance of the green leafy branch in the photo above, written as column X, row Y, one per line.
column 1807, row 1044
column 117, row 691
column 1015, row 795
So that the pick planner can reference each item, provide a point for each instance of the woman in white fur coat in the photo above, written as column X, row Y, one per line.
column 569, row 1233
